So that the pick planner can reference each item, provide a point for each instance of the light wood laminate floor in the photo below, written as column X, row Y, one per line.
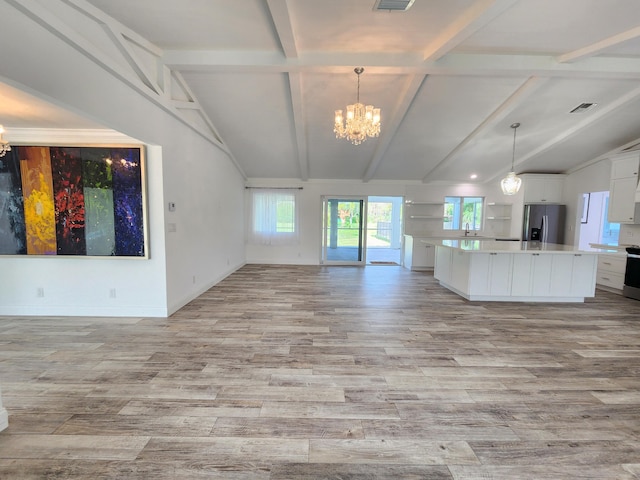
column 302, row 372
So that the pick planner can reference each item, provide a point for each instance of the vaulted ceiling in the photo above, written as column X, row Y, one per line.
column 450, row 76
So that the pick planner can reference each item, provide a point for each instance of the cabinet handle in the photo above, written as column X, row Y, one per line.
column 536, row 254
column 577, row 254
column 493, row 253
column 606, row 278
column 606, row 263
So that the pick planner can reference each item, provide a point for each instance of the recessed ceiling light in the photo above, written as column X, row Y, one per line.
column 473, row 176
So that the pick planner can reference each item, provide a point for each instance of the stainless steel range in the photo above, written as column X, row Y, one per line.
column 632, row 274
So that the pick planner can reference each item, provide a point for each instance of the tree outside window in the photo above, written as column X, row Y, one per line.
column 460, row 211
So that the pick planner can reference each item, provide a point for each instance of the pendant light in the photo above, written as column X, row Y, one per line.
column 511, row 183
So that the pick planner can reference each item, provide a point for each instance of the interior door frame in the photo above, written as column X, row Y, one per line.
column 363, row 199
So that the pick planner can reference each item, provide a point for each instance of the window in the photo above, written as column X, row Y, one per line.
column 273, row 217
column 460, row 211
column 610, row 231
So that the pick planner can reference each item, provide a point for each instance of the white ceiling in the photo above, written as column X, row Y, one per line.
column 451, row 76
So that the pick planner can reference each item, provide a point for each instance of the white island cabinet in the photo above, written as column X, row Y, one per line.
column 515, row 271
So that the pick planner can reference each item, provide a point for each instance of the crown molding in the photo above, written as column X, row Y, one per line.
column 58, row 136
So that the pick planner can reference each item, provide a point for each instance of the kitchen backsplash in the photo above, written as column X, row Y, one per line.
column 629, row 234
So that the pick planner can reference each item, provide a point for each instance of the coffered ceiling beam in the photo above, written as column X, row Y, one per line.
column 596, row 116
column 392, row 123
column 284, row 29
column 154, row 86
column 509, row 105
column 473, row 19
column 598, row 47
column 378, row 63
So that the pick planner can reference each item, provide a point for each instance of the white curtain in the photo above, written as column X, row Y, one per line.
column 274, row 217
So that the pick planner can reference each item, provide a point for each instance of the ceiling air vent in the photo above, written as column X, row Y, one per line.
column 393, row 5
column 583, row 107
column 635, row 146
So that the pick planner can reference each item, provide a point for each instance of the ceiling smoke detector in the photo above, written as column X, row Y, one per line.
column 583, row 107
column 393, row 5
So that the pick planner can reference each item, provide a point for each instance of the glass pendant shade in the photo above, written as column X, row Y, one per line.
column 511, row 183
column 362, row 120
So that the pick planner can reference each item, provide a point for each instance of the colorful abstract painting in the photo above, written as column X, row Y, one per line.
column 13, row 234
column 68, row 194
column 100, row 235
column 77, row 201
column 37, row 189
column 127, row 201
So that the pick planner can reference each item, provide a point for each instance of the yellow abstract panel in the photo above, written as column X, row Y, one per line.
column 37, row 188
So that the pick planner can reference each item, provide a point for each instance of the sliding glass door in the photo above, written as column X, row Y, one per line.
column 343, row 240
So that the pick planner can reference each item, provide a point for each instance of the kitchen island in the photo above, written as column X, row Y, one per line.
column 490, row 270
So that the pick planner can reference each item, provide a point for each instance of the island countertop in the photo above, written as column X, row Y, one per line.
column 493, row 246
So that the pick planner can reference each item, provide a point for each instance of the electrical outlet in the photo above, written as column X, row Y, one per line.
column 40, row 292
column 194, row 279
column 112, row 293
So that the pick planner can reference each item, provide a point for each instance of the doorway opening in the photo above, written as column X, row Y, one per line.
column 361, row 230
column 384, row 230
column 594, row 223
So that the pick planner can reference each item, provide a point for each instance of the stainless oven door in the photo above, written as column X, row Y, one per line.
column 632, row 276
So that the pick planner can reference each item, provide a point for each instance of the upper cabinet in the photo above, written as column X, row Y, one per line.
column 542, row 188
column 622, row 188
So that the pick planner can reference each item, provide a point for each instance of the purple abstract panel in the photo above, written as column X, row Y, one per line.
column 127, row 200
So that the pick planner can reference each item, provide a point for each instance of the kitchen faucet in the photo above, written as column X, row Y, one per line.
column 466, row 230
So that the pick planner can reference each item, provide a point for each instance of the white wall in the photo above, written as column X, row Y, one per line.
column 308, row 250
column 182, row 166
column 593, row 178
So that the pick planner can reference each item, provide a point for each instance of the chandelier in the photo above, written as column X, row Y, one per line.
column 4, row 145
column 362, row 121
column 511, row 183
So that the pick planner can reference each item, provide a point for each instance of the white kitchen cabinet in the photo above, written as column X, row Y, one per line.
column 622, row 188
column 611, row 270
column 418, row 255
column 505, row 272
column 539, row 188
column 553, row 275
column 625, row 165
column 531, row 275
column 442, row 269
column 490, row 274
column 585, row 268
column 460, row 269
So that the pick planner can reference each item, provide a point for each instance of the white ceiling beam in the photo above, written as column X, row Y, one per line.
column 594, row 117
column 297, row 105
column 390, row 127
column 481, row 13
column 378, row 63
column 509, row 105
column 284, row 29
column 598, row 47
column 56, row 26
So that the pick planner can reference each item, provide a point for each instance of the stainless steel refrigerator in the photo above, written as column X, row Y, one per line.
column 543, row 223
